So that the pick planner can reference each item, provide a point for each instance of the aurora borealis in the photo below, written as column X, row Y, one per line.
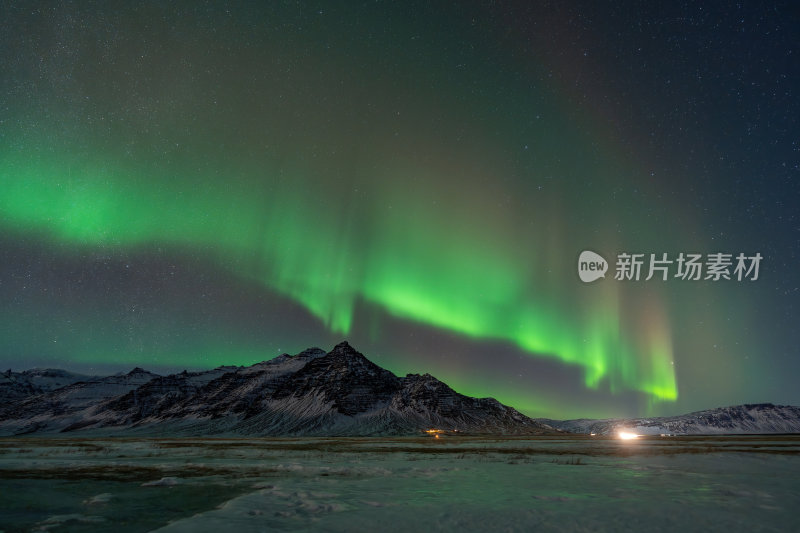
column 197, row 185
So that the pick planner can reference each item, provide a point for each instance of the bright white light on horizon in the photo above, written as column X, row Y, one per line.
column 626, row 435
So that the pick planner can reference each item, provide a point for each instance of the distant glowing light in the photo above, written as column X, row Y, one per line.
column 627, row 435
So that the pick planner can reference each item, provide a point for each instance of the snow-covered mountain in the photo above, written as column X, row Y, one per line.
column 63, row 406
column 738, row 419
column 312, row 393
column 16, row 386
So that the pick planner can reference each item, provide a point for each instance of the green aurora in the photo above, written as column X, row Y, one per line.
column 416, row 263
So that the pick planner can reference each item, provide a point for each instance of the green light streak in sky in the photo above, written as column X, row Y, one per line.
column 441, row 265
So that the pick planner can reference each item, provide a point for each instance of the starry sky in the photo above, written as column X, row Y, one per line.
column 196, row 184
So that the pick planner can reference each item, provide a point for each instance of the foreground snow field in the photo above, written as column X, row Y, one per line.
column 742, row 483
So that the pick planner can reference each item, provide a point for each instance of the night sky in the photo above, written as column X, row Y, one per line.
column 190, row 184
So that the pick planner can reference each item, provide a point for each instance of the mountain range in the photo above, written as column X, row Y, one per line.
column 339, row 393
column 313, row 393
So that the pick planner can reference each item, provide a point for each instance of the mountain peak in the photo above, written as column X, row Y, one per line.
column 344, row 346
column 345, row 356
column 344, row 351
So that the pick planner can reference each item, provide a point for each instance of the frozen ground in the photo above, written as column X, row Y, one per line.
column 401, row 484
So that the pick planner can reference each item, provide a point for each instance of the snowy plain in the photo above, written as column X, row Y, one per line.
column 452, row 483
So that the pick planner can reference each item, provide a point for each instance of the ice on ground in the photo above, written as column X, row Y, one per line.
column 99, row 499
column 168, row 481
column 632, row 495
column 548, row 484
column 58, row 521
